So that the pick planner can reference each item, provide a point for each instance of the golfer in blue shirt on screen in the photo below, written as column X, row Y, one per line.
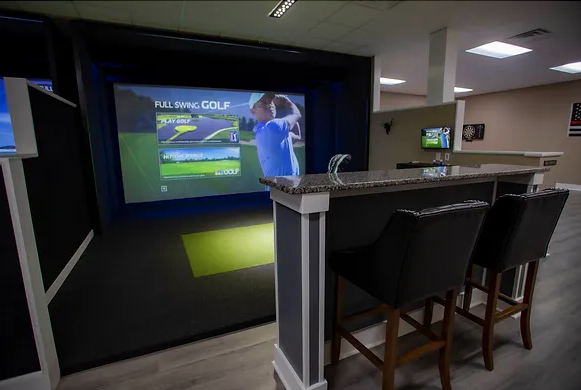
column 274, row 138
column 445, row 137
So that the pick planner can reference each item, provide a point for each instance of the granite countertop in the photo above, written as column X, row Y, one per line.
column 511, row 153
column 325, row 182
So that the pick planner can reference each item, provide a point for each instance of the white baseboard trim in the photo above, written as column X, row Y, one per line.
column 58, row 282
column 374, row 335
column 288, row 376
column 572, row 187
column 33, row 381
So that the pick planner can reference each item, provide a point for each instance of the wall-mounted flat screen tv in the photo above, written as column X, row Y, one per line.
column 436, row 138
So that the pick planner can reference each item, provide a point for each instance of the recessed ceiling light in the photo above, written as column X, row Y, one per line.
column 388, row 81
column 498, row 50
column 281, row 8
column 573, row 67
column 460, row 89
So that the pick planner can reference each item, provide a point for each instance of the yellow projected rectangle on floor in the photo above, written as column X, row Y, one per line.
column 219, row 251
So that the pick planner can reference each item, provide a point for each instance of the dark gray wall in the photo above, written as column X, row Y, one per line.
column 288, row 260
column 55, row 183
column 95, row 124
column 17, row 346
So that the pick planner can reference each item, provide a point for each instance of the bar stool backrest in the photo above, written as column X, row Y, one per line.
column 518, row 229
column 423, row 253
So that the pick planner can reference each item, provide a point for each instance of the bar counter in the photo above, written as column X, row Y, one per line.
column 315, row 215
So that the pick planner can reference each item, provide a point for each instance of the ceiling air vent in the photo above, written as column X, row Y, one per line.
column 531, row 36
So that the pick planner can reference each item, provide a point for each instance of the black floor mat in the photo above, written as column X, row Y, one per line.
column 132, row 292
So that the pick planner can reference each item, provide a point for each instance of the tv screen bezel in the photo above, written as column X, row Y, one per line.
column 437, row 127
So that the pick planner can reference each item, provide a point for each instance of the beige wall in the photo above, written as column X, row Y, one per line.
column 394, row 101
column 403, row 144
column 532, row 119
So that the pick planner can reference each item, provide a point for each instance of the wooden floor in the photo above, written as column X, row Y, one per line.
column 242, row 361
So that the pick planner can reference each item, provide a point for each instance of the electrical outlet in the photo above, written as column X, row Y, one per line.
column 447, row 156
column 438, row 156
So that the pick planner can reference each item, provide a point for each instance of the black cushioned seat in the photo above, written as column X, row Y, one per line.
column 517, row 231
column 419, row 254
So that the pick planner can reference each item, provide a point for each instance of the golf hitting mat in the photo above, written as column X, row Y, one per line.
column 219, row 251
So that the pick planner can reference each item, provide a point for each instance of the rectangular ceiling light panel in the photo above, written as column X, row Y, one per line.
column 573, row 67
column 388, row 81
column 498, row 50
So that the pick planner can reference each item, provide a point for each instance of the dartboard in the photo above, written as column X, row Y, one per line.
column 468, row 132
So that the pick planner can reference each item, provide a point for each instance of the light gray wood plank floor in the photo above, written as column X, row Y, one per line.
column 242, row 361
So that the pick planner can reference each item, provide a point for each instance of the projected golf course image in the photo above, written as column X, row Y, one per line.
column 186, row 128
column 199, row 162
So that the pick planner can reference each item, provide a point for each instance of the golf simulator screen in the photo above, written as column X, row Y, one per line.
column 436, row 138
column 177, row 142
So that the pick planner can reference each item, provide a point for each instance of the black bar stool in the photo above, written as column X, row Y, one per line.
column 401, row 268
column 517, row 231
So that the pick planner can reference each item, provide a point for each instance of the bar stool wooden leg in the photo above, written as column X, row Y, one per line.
column 468, row 289
column 488, row 331
column 336, row 340
column 390, row 355
column 428, row 312
column 447, row 329
column 525, row 318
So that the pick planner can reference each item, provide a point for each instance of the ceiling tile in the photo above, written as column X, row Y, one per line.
column 166, row 14
column 117, row 4
column 199, row 16
column 341, row 47
column 207, row 30
column 311, row 42
column 238, row 31
column 9, row 5
column 104, row 14
column 58, row 8
column 239, row 35
column 353, row 15
column 157, row 7
column 366, row 51
column 159, row 25
column 360, row 36
column 318, row 10
column 377, row 4
column 329, row 31
column 281, row 30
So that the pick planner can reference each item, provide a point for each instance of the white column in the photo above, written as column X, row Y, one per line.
column 442, row 66
column 376, row 83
